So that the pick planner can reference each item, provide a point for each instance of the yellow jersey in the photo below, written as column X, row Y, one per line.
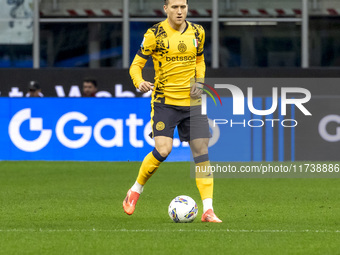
column 178, row 59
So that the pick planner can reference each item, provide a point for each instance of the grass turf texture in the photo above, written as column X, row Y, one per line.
column 76, row 208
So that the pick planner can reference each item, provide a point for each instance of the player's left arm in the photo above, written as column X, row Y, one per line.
column 200, row 63
column 200, row 66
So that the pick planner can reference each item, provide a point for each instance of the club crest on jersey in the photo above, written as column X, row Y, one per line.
column 160, row 125
column 182, row 47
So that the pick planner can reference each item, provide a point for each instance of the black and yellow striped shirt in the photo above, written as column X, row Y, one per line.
column 177, row 58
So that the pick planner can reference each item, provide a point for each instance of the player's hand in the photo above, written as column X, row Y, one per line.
column 196, row 91
column 145, row 86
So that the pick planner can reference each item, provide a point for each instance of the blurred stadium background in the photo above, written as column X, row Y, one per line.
column 75, row 207
column 241, row 33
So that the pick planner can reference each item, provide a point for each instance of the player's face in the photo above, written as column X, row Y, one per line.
column 176, row 11
column 89, row 89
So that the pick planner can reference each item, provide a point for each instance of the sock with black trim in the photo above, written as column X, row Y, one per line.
column 204, row 180
column 149, row 166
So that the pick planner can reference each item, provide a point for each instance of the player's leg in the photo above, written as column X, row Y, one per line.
column 150, row 164
column 162, row 130
column 198, row 137
column 163, row 147
column 204, row 178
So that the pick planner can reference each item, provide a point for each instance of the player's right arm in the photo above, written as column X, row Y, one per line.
column 147, row 48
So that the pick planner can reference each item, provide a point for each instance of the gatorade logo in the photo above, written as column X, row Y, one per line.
column 27, row 132
column 35, row 124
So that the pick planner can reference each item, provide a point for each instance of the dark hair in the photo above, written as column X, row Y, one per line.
column 33, row 85
column 91, row 80
column 166, row 2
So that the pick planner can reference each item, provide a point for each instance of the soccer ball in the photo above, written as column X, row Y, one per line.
column 183, row 209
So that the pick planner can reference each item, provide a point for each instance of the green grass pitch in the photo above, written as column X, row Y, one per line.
column 76, row 208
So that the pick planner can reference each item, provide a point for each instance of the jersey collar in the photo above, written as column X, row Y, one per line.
column 168, row 25
column 186, row 27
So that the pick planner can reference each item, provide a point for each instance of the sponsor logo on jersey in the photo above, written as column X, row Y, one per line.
column 180, row 58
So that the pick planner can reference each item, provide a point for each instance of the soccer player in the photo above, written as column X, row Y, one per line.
column 176, row 47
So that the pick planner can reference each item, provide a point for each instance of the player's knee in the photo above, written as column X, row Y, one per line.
column 203, row 151
column 164, row 151
column 199, row 147
column 163, row 146
column 200, row 151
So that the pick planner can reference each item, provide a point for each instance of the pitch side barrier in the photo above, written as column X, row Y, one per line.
column 117, row 129
column 86, row 129
column 117, row 82
column 291, row 117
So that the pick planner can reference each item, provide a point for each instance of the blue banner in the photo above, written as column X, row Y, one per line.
column 117, row 129
column 90, row 129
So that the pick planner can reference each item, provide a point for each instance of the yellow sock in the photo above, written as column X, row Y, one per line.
column 149, row 166
column 205, row 180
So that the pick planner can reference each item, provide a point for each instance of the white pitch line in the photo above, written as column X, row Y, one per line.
column 176, row 230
